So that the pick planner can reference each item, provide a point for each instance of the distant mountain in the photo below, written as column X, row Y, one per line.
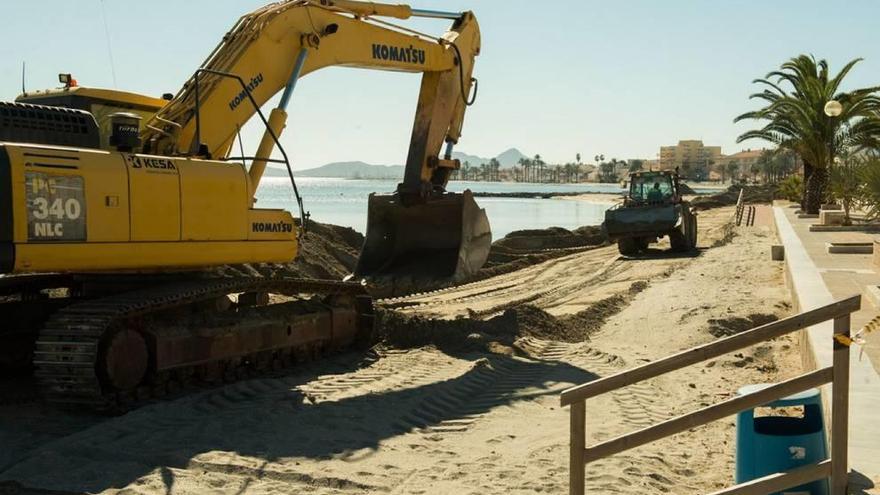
column 361, row 170
column 510, row 157
column 273, row 171
column 507, row 158
column 346, row 170
column 474, row 160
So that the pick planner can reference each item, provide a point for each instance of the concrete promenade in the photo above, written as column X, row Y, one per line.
column 815, row 279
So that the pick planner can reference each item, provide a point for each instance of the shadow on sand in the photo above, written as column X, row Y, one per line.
column 663, row 254
column 281, row 422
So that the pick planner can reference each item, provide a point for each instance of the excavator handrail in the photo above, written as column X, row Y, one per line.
column 304, row 215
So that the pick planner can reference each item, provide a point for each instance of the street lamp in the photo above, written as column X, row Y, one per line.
column 833, row 108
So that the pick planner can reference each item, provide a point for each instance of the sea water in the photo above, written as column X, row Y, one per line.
column 344, row 202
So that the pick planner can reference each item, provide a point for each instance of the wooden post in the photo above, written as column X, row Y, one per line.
column 840, row 408
column 578, row 439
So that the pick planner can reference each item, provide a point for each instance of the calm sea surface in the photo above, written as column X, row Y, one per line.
column 344, row 202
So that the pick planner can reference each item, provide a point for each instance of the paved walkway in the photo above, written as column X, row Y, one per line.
column 764, row 216
column 818, row 278
column 843, row 274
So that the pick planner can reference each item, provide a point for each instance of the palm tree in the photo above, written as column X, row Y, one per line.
column 765, row 164
column 796, row 119
column 540, row 165
column 494, row 167
column 466, row 169
column 755, row 168
column 525, row 163
column 483, row 171
column 608, row 171
column 732, row 167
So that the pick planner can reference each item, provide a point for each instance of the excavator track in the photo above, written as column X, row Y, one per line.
column 79, row 355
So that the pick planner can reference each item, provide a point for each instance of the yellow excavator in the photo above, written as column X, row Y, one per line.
column 115, row 207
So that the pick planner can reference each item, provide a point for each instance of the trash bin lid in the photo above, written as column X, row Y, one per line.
column 807, row 396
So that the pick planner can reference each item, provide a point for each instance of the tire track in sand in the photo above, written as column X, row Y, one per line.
column 560, row 285
column 568, row 273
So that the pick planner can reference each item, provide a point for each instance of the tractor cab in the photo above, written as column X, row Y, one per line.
column 652, row 188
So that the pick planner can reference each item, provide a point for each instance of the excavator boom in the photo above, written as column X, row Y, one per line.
column 269, row 50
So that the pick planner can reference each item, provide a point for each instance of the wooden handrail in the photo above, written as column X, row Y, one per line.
column 837, row 373
column 840, row 408
column 739, row 208
column 710, row 350
column 707, row 414
column 777, row 482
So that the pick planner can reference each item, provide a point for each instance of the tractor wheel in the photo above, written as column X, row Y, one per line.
column 642, row 243
column 627, row 246
column 678, row 241
column 693, row 236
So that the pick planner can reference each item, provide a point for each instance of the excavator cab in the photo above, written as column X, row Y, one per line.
column 420, row 246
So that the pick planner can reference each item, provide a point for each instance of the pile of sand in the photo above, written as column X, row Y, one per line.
column 327, row 252
column 527, row 195
column 400, row 330
column 551, row 238
column 524, row 248
column 517, row 250
column 752, row 194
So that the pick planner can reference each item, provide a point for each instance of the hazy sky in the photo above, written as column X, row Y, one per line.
column 614, row 77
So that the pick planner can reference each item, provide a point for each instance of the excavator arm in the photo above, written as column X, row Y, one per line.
column 421, row 235
column 271, row 48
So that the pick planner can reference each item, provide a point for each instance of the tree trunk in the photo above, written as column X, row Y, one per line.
column 814, row 189
column 808, row 173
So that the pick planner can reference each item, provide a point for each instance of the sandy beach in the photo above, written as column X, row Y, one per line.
column 473, row 408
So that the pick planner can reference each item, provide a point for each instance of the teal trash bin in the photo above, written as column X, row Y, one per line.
column 777, row 442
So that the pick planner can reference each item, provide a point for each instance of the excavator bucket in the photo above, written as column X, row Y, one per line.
column 419, row 247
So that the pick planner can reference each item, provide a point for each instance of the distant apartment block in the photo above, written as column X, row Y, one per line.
column 651, row 164
column 744, row 159
column 690, row 152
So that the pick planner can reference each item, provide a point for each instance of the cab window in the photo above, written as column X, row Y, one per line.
column 651, row 188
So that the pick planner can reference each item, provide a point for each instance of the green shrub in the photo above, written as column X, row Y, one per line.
column 870, row 191
column 845, row 184
column 792, row 188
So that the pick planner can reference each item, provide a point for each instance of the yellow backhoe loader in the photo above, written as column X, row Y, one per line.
column 115, row 206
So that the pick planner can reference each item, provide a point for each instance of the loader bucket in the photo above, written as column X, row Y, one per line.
column 410, row 248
